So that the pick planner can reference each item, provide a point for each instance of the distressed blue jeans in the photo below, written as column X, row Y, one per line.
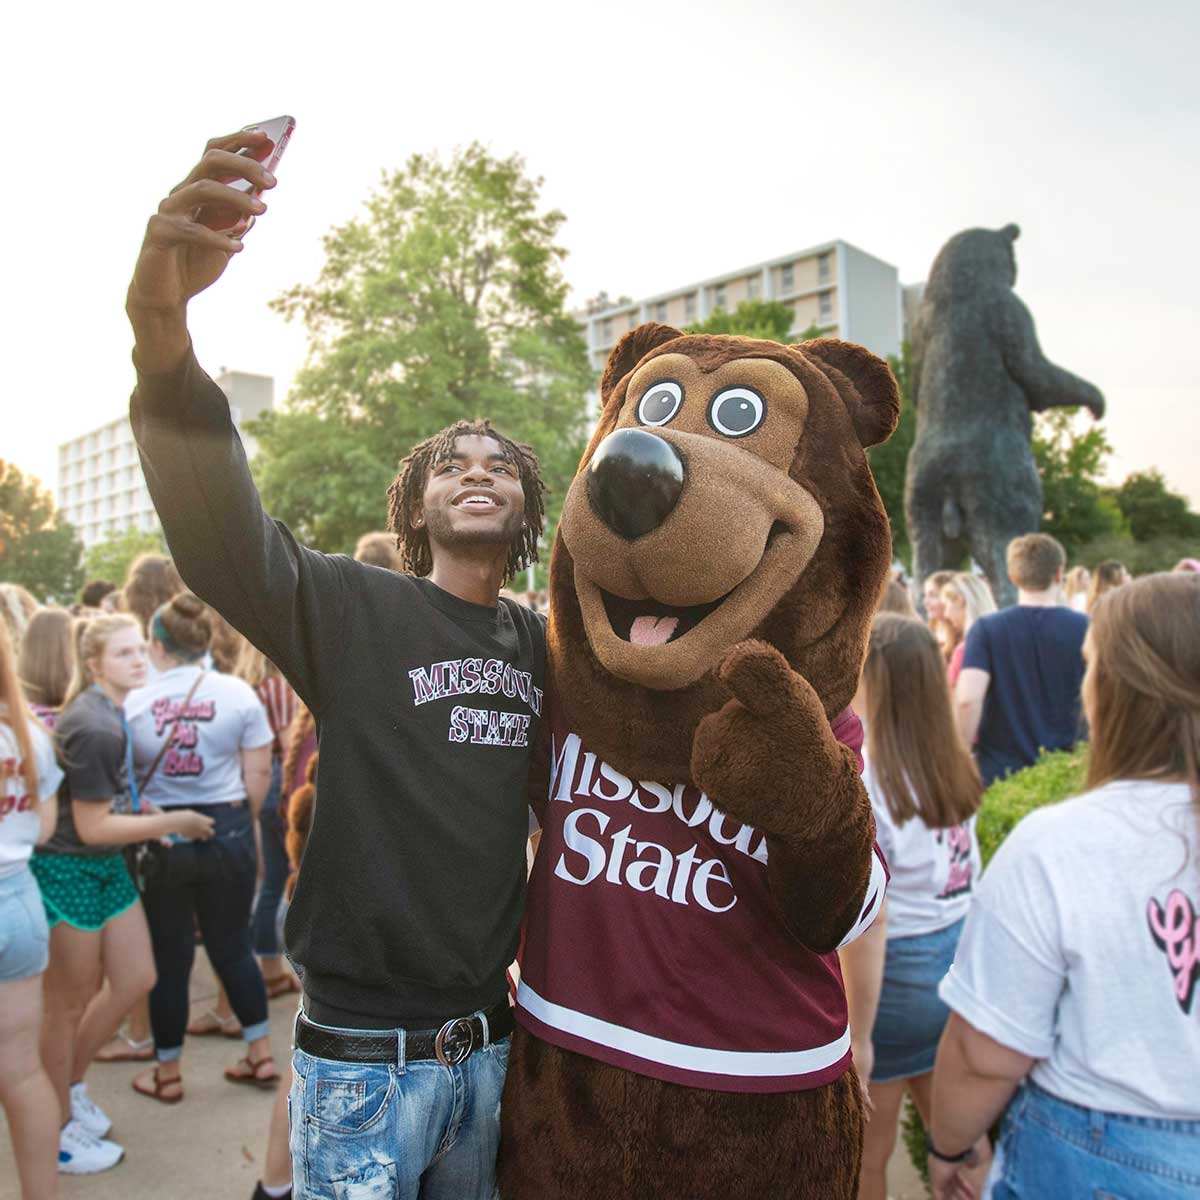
column 396, row 1131
column 1050, row 1148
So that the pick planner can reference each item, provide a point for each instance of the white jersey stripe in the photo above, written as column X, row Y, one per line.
column 744, row 1063
column 873, row 903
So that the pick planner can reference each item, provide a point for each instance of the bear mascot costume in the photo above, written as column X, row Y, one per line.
column 707, row 842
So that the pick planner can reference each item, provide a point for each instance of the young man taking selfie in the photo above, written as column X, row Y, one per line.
column 426, row 691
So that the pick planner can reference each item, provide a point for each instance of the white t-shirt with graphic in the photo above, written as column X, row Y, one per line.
column 1082, row 950
column 203, row 765
column 20, row 820
column 933, row 871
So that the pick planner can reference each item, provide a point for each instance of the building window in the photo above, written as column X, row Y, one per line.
column 633, row 319
column 824, row 267
column 826, row 309
column 752, row 286
column 787, row 277
column 660, row 311
column 606, row 331
column 719, row 296
column 689, row 307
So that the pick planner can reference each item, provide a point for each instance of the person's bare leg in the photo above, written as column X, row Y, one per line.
column 128, row 965
column 277, row 1165
column 879, row 1138
column 138, row 1024
column 70, row 982
column 28, row 1096
column 922, row 1092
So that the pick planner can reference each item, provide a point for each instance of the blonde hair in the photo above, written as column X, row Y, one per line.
column 17, row 606
column 253, row 665
column 920, row 762
column 1077, row 581
column 149, row 583
column 1034, row 560
column 1107, row 576
column 47, row 658
column 14, row 712
column 1142, row 688
column 91, row 636
column 975, row 595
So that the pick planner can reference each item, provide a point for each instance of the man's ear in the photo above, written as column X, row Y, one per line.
column 864, row 382
column 630, row 351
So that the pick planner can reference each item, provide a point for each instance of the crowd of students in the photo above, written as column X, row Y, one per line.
column 153, row 787
column 141, row 804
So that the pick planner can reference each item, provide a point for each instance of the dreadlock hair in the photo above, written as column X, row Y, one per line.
column 409, row 486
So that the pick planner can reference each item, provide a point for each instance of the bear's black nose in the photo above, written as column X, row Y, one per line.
column 634, row 481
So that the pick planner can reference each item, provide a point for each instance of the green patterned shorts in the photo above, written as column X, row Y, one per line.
column 83, row 890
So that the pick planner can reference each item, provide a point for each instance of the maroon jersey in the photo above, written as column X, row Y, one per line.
column 652, row 942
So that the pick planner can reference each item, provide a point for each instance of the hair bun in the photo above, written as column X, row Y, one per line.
column 189, row 605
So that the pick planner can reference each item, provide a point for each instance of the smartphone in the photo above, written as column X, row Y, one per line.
column 279, row 130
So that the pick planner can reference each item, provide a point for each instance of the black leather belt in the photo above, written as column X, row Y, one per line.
column 450, row 1045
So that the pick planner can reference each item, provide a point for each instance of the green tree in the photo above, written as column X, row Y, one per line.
column 767, row 319
column 1075, row 507
column 1152, row 510
column 444, row 300
column 38, row 549
column 110, row 558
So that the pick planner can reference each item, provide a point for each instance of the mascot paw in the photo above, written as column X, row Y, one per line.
column 769, row 737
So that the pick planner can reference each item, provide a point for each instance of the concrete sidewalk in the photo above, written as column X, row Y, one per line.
column 211, row 1146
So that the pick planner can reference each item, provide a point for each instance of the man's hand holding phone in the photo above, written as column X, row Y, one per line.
column 181, row 255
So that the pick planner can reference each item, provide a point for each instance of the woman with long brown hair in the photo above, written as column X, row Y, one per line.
column 924, row 790
column 1076, row 978
column 47, row 662
column 1108, row 575
column 29, row 779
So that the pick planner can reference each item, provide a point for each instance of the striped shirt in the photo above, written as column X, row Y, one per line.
column 280, row 701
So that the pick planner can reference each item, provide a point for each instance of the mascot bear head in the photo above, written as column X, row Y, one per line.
column 725, row 496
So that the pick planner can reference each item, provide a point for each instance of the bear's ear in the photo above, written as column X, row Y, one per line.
column 864, row 382
column 630, row 351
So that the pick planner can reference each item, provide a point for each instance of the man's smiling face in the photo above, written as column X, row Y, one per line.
column 473, row 497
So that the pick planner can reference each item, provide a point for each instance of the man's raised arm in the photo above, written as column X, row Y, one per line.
column 286, row 599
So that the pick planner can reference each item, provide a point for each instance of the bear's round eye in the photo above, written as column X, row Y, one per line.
column 659, row 403
column 736, row 411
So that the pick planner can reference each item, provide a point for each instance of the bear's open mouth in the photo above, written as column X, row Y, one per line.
column 650, row 622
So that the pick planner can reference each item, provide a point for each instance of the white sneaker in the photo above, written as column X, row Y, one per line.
column 81, row 1154
column 86, row 1112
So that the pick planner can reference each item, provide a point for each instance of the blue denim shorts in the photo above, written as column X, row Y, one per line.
column 1049, row 1147
column 910, row 1020
column 24, row 931
column 396, row 1131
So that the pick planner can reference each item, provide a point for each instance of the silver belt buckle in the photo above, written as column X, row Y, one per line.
column 454, row 1042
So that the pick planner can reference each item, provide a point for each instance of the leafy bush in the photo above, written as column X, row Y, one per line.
column 1056, row 775
column 1141, row 558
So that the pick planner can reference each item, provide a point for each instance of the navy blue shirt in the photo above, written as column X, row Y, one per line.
column 1034, row 655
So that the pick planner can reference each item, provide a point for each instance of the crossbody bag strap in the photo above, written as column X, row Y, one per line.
column 170, row 736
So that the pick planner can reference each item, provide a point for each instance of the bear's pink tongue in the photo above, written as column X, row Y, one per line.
column 652, row 631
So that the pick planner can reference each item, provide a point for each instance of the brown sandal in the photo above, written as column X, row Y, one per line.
column 281, row 985
column 157, row 1092
column 251, row 1074
column 211, row 1024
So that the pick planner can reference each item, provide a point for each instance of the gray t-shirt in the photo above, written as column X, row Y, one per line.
column 90, row 744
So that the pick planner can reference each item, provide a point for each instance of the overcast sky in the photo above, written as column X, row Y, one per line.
column 681, row 140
